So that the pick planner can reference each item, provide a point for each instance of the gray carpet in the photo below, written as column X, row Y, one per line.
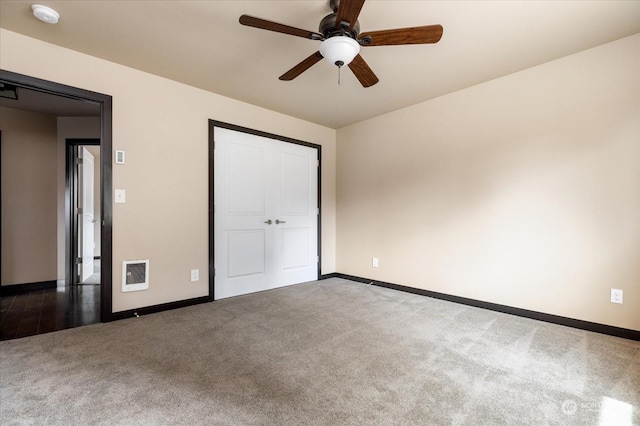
column 332, row 352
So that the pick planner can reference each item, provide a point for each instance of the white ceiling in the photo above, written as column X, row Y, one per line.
column 202, row 44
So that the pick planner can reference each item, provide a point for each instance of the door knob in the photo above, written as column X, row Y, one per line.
column 268, row 222
column 280, row 221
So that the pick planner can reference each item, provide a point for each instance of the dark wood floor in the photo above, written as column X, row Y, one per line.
column 43, row 311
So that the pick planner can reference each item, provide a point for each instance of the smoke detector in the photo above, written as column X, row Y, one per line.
column 45, row 14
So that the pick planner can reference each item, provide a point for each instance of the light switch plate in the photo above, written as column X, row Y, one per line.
column 119, row 156
column 120, row 196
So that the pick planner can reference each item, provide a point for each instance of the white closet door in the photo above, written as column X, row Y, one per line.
column 266, row 218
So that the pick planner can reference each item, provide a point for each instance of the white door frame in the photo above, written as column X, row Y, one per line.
column 88, row 220
column 212, row 125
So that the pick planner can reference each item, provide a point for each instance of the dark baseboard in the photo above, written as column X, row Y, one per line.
column 331, row 275
column 540, row 316
column 8, row 290
column 354, row 278
column 157, row 308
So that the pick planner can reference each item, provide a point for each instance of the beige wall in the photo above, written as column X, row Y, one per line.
column 522, row 191
column 74, row 128
column 163, row 127
column 28, row 197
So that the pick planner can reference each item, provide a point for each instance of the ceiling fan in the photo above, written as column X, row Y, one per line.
column 341, row 39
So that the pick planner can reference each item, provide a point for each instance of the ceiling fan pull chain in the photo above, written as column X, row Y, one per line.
column 339, row 76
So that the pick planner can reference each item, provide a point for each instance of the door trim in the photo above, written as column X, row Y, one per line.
column 212, row 125
column 105, row 101
column 71, row 178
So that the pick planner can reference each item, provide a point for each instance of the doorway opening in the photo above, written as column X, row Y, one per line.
column 53, row 98
column 82, row 211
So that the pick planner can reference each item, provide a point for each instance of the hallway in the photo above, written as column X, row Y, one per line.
column 44, row 311
column 53, row 309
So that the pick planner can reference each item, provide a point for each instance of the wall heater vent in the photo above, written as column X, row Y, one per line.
column 135, row 275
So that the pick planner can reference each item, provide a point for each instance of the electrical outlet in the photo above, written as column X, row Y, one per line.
column 374, row 262
column 616, row 296
column 195, row 275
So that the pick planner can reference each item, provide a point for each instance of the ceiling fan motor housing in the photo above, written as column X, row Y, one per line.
column 330, row 28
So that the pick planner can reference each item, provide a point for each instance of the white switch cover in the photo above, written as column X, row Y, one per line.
column 195, row 274
column 120, row 196
column 374, row 262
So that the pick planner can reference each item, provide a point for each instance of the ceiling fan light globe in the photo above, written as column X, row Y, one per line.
column 339, row 49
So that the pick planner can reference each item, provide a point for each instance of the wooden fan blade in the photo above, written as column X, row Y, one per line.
column 414, row 35
column 348, row 11
column 301, row 67
column 263, row 24
column 362, row 72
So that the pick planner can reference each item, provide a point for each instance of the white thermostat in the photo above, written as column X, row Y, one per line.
column 119, row 156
